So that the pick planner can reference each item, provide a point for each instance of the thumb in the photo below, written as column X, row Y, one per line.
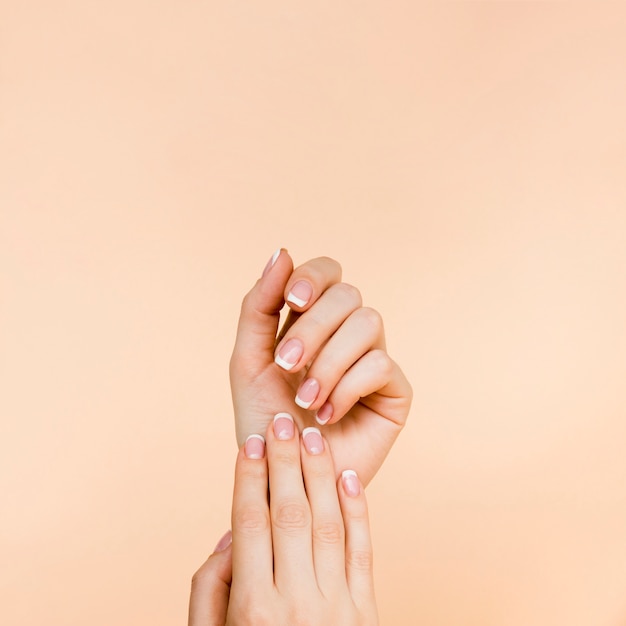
column 260, row 311
column 210, row 587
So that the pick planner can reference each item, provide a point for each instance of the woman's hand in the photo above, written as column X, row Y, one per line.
column 304, row 557
column 329, row 363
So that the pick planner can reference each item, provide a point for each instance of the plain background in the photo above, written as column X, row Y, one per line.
column 464, row 162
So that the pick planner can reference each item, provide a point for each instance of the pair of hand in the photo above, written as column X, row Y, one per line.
column 329, row 368
column 303, row 558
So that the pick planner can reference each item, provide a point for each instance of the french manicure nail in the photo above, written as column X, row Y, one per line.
column 254, row 448
column 300, row 293
column 270, row 263
column 351, row 483
column 224, row 542
column 289, row 354
column 283, row 426
column 324, row 414
column 307, row 393
column 313, row 441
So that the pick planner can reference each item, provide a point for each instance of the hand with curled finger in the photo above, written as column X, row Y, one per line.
column 328, row 364
column 303, row 555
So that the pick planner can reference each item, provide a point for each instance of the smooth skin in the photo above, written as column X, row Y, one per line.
column 304, row 557
column 337, row 347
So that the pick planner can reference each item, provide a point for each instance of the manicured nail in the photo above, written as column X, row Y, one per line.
column 270, row 263
column 300, row 293
column 289, row 354
column 254, row 447
column 283, row 426
column 307, row 393
column 351, row 484
column 324, row 414
column 313, row 441
column 224, row 542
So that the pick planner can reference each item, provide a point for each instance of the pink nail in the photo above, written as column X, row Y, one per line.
column 300, row 293
column 307, row 393
column 351, row 483
column 270, row 263
column 283, row 426
column 224, row 542
column 289, row 354
column 313, row 441
column 324, row 414
column 254, row 448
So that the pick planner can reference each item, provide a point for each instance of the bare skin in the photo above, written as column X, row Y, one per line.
column 304, row 557
column 331, row 352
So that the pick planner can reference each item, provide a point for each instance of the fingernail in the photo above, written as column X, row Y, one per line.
column 270, row 263
column 254, row 448
column 289, row 354
column 351, row 484
column 313, row 441
column 224, row 542
column 324, row 414
column 307, row 393
column 300, row 293
column 283, row 426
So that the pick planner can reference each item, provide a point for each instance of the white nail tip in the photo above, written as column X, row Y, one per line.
column 347, row 473
column 261, row 437
column 295, row 300
column 284, row 364
column 321, row 422
column 302, row 403
column 310, row 429
column 275, row 257
column 282, row 415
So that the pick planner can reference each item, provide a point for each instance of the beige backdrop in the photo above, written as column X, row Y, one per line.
column 466, row 164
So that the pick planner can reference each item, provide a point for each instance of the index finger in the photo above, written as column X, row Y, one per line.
column 252, row 538
column 310, row 280
column 304, row 287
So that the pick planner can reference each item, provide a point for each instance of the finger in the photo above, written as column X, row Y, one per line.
column 309, row 281
column 210, row 587
column 377, row 382
column 360, row 332
column 359, row 554
column 311, row 331
column 252, row 539
column 327, row 523
column 260, row 314
column 289, row 508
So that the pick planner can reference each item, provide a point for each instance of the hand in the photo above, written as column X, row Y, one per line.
column 210, row 587
column 331, row 353
column 306, row 557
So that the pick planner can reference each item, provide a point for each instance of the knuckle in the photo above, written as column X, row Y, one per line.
column 200, row 574
column 285, row 457
column 331, row 264
column 381, row 361
column 249, row 611
column 372, row 318
column 291, row 515
column 329, row 533
column 250, row 520
column 301, row 615
column 360, row 560
column 349, row 292
column 246, row 302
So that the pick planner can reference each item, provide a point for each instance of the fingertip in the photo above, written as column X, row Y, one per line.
column 350, row 483
column 324, row 414
column 309, row 281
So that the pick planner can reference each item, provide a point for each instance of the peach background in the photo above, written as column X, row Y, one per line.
column 466, row 164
